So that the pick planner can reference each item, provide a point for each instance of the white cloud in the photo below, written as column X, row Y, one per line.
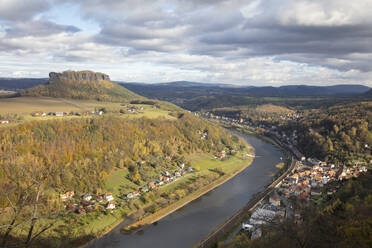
column 229, row 41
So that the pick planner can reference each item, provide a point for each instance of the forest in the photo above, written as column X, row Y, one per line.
column 41, row 160
column 341, row 134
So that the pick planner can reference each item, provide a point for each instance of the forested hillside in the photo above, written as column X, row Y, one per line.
column 41, row 160
column 81, row 85
column 340, row 133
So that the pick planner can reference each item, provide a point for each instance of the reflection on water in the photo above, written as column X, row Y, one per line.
column 191, row 223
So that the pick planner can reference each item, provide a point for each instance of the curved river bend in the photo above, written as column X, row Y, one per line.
column 191, row 223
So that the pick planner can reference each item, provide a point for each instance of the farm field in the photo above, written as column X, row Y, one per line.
column 25, row 106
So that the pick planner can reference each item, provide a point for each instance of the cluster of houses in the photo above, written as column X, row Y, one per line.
column 221, row 155
column 240, row 120
column 61, row 114
column 203, row 134
column 164, row 178
column 88, row 202
column 306, row 183
column 268, row 211
column 131, row 109
column 310, row 176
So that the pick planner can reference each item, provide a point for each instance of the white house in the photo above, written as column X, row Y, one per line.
column 108, row 196
column 247, row 227
column 87, row 197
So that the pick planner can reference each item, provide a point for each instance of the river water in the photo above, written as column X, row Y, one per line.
column 191, row 223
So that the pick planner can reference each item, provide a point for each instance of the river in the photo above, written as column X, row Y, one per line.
column 191, row 223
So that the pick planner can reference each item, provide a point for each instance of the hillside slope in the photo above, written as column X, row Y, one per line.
column 81, row 85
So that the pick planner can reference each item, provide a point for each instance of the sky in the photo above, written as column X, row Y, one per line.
column 242, row 42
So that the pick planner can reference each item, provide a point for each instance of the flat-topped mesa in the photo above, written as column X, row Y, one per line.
column 78, row 76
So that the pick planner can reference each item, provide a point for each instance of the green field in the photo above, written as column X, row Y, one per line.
column 25, row 106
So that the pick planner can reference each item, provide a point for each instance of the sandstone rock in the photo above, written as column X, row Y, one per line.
column 78, row 76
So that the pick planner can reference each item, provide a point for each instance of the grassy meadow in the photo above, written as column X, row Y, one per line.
column 25, row 106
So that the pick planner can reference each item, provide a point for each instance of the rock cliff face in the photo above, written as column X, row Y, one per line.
column 78, row 76
column 82, row 85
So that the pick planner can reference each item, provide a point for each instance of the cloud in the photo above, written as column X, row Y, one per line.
column 233, row 41
column 39, row 28
column 13, row 10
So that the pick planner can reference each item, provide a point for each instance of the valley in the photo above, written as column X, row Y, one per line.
column 86, row 166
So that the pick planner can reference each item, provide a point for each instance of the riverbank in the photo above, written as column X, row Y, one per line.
column 221, row 231
column 191, row 223
column 230, row 167
column 179, row 204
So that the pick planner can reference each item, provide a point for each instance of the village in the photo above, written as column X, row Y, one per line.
column 106, row 202
column 311, row 180
column 306, row 183
column 127, row 109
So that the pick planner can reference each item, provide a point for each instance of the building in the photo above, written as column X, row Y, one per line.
column 110, row 205
column 68, row 195
column 87, row 197
column 4, row 121
column 247, row 227
column 274, row 200
column 108, row 196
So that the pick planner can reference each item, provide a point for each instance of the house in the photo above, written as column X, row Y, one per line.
column 274, row 200
column 220, row 155
column 87, row 197
column 70, row 208
column 68, row 195
column 85, row 203
column 166, row 174
column 136, row 193
column 99, row 198
column 108, row 196
column 59, row 114
column 110, row 205
column 4, row 121
column 303, row 196
column 130, row 195
column 316, row 192
column 247, row 227
column 159, row 182
column 80, row 210
column 165, row 179
column 145, row 189
column 151, row 185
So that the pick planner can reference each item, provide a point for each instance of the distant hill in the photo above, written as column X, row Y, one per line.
column 368, row 93
column 306, row 90
column 196, row 84
column 181, row 91
column 17, row 84
column 81, row 85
